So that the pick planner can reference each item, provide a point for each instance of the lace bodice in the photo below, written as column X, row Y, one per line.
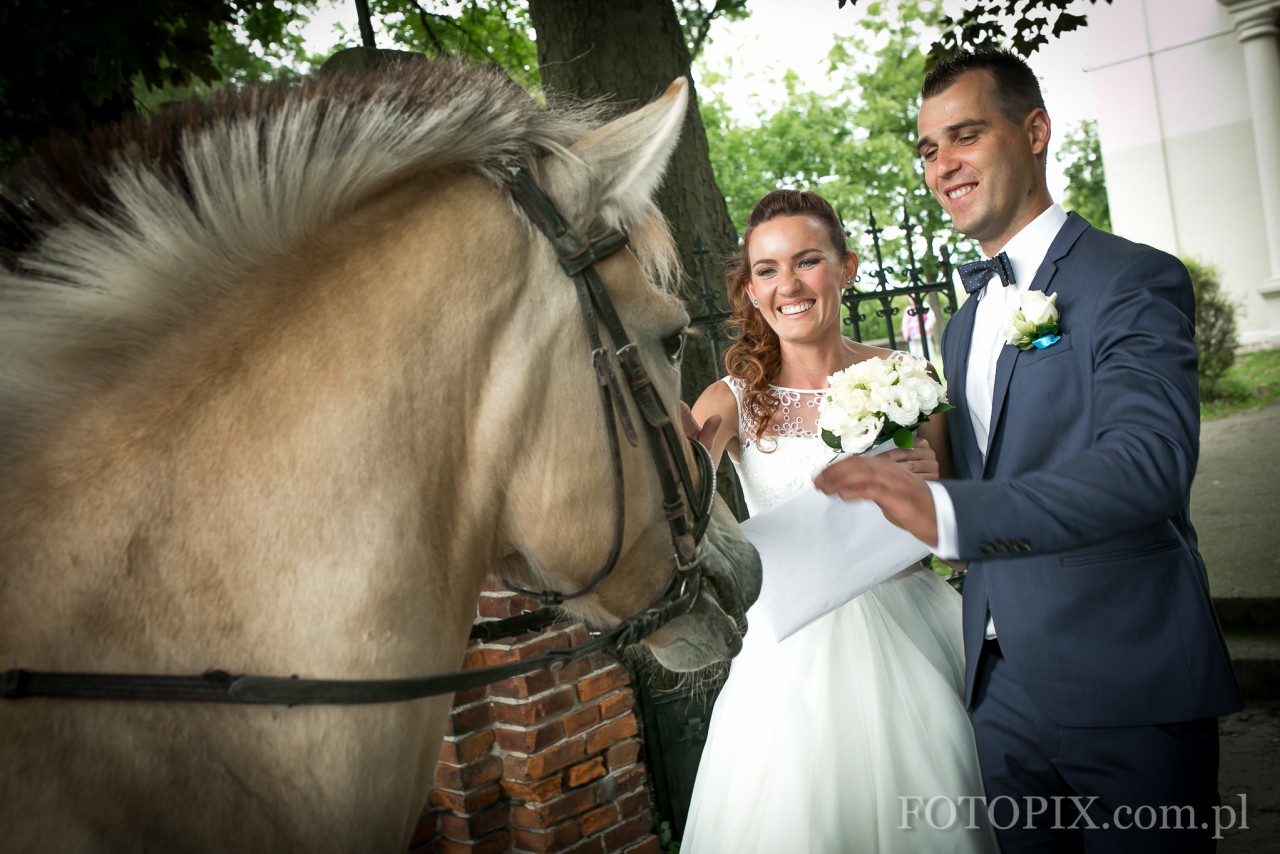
column 786, row 460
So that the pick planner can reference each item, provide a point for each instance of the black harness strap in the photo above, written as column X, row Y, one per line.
column 687, row 524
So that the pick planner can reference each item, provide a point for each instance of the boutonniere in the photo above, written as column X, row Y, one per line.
column 1035, row 322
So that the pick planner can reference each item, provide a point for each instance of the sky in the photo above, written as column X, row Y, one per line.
column 797, row 34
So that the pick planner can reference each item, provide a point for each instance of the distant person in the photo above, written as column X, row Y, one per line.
column 913, row 317
column 1095, row 667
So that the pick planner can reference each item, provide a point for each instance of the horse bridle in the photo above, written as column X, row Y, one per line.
column 687, row 510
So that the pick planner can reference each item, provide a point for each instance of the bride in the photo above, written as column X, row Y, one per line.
column 850, row 735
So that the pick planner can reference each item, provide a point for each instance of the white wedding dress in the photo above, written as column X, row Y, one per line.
column 815, row 741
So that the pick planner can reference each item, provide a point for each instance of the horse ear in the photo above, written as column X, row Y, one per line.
column 627, row 157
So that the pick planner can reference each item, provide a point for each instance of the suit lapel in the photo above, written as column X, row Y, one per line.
column 1067, row 236
column 964, row 444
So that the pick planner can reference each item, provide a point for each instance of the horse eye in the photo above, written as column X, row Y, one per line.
column 674, row 345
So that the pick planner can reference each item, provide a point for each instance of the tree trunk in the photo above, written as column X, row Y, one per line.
column 628, row 52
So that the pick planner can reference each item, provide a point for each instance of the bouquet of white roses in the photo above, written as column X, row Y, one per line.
column 878, row 399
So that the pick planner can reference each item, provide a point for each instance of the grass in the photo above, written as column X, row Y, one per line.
column 1251, row 383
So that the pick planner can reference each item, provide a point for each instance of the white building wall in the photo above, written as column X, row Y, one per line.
column 1176, row 124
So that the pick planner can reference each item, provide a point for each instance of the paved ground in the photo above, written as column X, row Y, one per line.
column 1235, row 506
column 1235, row 503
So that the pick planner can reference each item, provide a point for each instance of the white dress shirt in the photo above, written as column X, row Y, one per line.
column 996, row 303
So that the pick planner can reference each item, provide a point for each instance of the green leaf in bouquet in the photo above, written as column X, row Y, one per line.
column 942, row 406
column 904, row 438
column 832, row 440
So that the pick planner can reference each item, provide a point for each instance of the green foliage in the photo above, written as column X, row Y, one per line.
column 1251, row 383
column 987, row 24
column 69, row 65
column 855, row 147
column 1215, row 328
column 497, row 31
column 696, row 19
column 262, row 43
column 1081, row 154
column 662, row 829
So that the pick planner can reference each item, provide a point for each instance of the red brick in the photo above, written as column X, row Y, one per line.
column 578, row 634
column 622, row 754
column 581, row 720
column 634, row 804
column 539, row 765
column 461, row 778
column 540, row 841
column 535, row 709
column 597, row 820
column 590, row 846
column 625, row 780
column 616, row 703
column 469, row 718
column 518, row 687
column 496, row 844
column 470, row 746
column 473, row 658
column 497, row 606
column 464, row 827
column 648, row 845
column 489, row 655
column 629, row 831
column 611, row 733
column 535, row 792
column 585, row 772
column 573, row 671
column 603, row 682
column 529, row 739
column 534, row 644
column 465, row 802
column 552, row 813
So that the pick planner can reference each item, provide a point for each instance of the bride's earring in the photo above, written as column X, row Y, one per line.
column 755, row 302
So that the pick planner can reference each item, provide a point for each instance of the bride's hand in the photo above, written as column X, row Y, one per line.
column 920, row 460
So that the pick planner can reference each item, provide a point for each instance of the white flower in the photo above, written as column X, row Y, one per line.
column 1035, row 317
column 876, row 399
column 1039, row 309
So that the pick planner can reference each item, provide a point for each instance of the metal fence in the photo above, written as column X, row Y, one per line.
column 873, row 316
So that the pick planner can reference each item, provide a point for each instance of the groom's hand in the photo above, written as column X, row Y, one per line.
column 901, row 496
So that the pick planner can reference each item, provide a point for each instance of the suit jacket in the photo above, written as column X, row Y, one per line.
column 1077, row 528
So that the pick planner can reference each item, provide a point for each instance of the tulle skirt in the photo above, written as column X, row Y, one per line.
column 836, row 738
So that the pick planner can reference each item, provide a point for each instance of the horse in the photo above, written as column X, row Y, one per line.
column 285, row 375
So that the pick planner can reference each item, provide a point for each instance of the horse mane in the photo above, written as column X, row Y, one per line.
column 107, row 243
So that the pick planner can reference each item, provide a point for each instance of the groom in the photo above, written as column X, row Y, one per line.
column 1095, row 665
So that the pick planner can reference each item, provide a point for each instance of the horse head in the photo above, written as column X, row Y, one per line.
column 560, row 510
column 284, row 376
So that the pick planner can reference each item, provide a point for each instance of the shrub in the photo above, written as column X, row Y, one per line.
column 1215, row 327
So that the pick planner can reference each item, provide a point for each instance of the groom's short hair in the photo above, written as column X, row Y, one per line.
column 1017, row 90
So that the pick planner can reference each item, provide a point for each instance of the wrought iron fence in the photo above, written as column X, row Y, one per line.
column 869, row 309
column 924, row 297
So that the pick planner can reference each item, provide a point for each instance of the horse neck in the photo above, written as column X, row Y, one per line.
column 299, row 461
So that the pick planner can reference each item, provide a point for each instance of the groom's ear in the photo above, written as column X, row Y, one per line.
column 1039, row 129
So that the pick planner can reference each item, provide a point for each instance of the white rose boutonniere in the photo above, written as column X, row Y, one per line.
column 878, row 399
column 1035, row 322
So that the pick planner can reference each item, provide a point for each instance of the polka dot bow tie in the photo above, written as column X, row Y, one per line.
column 974, row 276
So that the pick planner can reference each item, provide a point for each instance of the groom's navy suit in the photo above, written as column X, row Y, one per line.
column 1076, row 528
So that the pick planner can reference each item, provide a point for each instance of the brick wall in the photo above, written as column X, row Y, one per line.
column 541, row 762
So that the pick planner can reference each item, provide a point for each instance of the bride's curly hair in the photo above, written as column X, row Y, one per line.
column 755, row 357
